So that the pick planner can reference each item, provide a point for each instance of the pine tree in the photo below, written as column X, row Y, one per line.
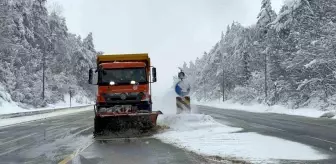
column 88, row 42
column 266, row 15
column 292, row 53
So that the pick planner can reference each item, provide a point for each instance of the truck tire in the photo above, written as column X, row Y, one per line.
column 97, row 126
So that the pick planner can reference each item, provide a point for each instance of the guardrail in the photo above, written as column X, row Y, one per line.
column 30, row 113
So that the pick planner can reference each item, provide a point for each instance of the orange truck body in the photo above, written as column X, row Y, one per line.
column 124, row 91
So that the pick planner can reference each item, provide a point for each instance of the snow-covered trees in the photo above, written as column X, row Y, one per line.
column 30, row 38
column 290, row 57
column 266, row 15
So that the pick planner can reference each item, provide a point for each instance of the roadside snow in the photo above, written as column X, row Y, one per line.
column 202, row 134
column 76, row 101
column 260, row 108
column 17, row 120
column 7, row 105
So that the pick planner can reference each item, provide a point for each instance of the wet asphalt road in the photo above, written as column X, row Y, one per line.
column 68, row 139
column 319, row 133
column 139, row 151
column 44, row 141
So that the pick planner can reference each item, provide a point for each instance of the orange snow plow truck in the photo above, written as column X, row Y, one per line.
column 124, row 93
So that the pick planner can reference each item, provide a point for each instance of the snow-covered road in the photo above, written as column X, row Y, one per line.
column 230, row 135
column 202, row 134
column 267, row 135
column 66, row 137
column 261, row 108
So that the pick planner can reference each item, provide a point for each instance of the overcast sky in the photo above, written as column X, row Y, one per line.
column 171, row 31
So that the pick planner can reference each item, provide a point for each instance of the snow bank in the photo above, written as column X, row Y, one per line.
column 261, row 108
column 203, row 135
column 17, row 120
column 7, row 105
column 76, row 101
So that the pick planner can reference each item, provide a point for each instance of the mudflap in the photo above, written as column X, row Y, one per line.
column 119, row 124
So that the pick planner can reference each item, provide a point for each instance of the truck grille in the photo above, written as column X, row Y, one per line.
column 123, row 96
column 119, row 99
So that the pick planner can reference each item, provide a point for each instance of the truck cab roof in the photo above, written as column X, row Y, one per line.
column 116, row 65
column 109, row 58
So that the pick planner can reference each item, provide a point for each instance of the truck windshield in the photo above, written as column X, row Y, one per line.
column 123, row 76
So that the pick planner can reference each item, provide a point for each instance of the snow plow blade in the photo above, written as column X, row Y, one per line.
column 105, row 123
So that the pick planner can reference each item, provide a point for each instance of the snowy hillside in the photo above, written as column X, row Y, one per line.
column 7, row 105
column 286, row 59
column 34, row 45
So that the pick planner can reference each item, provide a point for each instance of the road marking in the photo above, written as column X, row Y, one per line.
column 17, row 139
column 322, row 140
column 74, row 154
column 67, row 159
column 260, row 125
column 270, row 127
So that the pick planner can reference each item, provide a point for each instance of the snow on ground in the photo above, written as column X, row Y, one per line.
column 75, row 102
column 7, row 105
column 261, row 108
column 202, row 134
column 17, row 120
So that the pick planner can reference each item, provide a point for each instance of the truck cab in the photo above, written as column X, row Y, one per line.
column 124, row 87
column 124, row 80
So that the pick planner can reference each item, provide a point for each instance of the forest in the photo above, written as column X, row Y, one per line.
column 286, row 58
column 40, row 61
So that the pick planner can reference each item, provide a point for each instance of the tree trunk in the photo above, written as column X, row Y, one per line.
column 266, row 89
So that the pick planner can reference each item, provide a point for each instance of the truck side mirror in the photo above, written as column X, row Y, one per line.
column 90, row 75
column 154, row 79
